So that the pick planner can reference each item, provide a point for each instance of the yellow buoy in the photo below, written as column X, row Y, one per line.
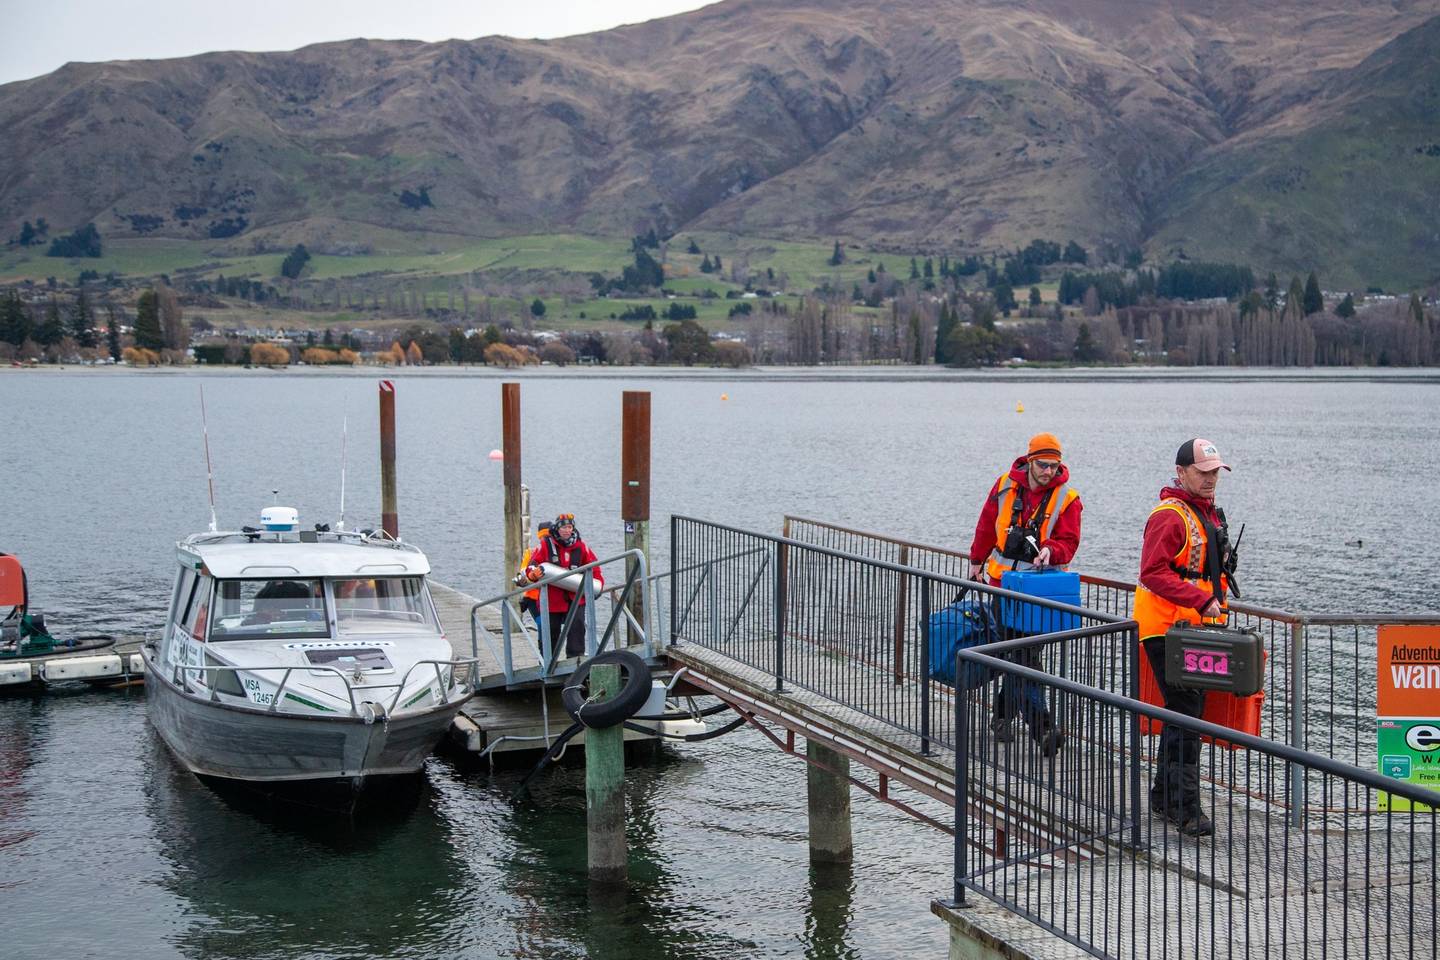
column 1019, row 408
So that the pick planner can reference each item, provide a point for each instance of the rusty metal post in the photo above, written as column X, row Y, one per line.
column 514, row 507
column 389, row 515
column 635, row 490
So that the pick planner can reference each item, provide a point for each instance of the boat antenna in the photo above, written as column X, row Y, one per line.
column 344, row 448
column 209, row 470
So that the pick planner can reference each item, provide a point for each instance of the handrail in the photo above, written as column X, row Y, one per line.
column 909, row 571
column 1285, row 616
column 548, row 656
column 983, row 654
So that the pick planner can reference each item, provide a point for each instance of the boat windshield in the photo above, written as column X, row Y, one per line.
column 269, row 609
column 382, row 605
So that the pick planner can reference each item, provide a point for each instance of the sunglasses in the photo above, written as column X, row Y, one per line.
column 1045, row 464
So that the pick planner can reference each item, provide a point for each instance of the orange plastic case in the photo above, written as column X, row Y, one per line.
column 12, row 582
column 1226, row 709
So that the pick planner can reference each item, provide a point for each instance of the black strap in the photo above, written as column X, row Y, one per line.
column 1212, row 556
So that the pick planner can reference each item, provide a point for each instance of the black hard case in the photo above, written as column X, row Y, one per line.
column 1243, row 650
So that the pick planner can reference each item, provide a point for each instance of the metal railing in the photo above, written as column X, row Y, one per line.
column 1052, row 776
column 1073, row 843
column 862, row 632
column 445, row 683
column 537, row 638
column 1320, row 684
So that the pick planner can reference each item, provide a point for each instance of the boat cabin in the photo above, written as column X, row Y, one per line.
column 250, row 609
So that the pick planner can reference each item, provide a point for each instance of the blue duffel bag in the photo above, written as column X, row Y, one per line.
column 964, row 623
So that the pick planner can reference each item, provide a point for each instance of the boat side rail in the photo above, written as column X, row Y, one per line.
column 545, row 647
column 1320, row 682
column 468, row 686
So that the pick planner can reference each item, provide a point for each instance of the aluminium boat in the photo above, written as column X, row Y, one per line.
column 302, row 656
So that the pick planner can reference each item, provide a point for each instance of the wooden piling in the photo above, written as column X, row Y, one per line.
column 389, row 515
column 827, row 786
column 635, row 487
column 510, row 447
column 605, row 786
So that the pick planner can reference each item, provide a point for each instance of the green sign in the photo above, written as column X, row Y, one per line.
column 1409, row 751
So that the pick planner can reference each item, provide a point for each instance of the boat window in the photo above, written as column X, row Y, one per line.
column 382, row 605
column 184, row 590
column 268, row 609
column 198, row 613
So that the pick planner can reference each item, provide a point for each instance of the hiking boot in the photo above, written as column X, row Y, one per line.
column 1002, row 729
column 1191, row 822
column 1050, row 737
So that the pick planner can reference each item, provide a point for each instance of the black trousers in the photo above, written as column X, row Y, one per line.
column 1177, row 770
column 575, row 637
column 1021, row 696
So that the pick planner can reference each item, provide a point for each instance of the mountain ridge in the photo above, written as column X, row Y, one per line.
column 928, row 125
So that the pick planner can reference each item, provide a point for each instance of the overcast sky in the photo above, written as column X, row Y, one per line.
column 37, row 36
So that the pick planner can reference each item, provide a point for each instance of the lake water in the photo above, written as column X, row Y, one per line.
column 107, row 849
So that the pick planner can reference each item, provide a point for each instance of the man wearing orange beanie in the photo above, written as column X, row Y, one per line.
column 1031, row 519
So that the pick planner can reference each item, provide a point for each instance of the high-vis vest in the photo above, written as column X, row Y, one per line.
column 1060, row 498
column 1153, row 612
column 1156, row 615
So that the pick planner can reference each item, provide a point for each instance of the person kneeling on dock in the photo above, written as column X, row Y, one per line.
column 564, row 549
column 1185, row 565
column 1031, row 519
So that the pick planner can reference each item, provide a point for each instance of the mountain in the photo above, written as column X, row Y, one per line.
column 1292, row 135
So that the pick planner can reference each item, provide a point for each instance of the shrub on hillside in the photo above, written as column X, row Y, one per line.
column 503, row 355
column 140, row 357
column 319, row 356
column 557, row 353
column 729, row 353
column 269, row 355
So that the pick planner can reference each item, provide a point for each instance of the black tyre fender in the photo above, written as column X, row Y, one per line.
column 634, row 691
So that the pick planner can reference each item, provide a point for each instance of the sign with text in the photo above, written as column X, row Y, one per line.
column 1406, row 703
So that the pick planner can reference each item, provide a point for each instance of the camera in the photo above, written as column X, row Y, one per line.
column 1020, row 544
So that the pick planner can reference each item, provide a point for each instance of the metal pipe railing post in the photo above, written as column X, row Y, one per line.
column 674, row 565
column 962, row 782
column 1132, row 690
column 781, row 561
column 1297, row 720
column 713, row 599
column 924, row 676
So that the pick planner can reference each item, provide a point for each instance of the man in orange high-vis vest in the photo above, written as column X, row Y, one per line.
column 530, row 600
column 1182, row 577
column 1031, row 518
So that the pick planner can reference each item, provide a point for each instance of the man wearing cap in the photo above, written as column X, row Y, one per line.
column 1182, row 577
column 1031, row 519
column 564, row 548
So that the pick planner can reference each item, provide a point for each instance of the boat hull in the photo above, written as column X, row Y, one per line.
column 213, row 739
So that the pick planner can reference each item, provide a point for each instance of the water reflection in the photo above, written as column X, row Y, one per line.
column 271, row 879
column 831, row 908
column 558, row 912
column 17, row 739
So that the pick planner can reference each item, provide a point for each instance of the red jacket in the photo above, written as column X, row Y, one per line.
column 1064, row 539
column 1164, row 536
column 575, row 555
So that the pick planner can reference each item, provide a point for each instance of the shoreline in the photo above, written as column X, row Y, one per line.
column 782, row 374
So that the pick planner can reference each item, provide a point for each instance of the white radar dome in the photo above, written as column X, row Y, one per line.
column 280, row 518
